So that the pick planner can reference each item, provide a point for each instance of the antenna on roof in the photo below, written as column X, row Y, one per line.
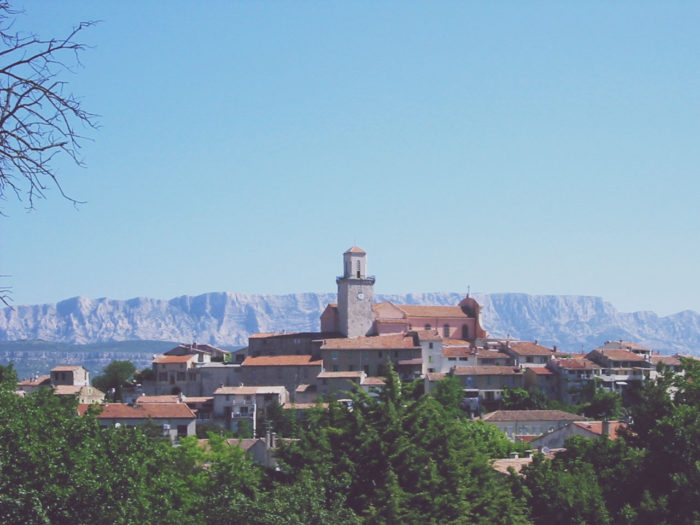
column 469, row 289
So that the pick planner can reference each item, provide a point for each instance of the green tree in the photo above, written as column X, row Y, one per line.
column 114, row 377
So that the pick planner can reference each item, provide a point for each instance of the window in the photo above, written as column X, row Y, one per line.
column 351, row 368
column 427, row 326
column 430, row 345
column 528, row 359
column 452, row 359
column 465, row 332
column 446, row 330
column 396, row 353
column 335, row 368
column 358, row 269
column 366, row 368
column 182, row 430
column 162, row 376
column 334, row 355
column 380, row 354
column 180, row 376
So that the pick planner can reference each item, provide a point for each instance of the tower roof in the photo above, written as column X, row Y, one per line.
column 355, row 249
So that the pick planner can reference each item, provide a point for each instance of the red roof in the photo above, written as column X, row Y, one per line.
column 355, row 249
column 528, row 348
column 146, row 411
column 66, row 368
column 575, row 364
column 378, row 342
column 596, row 427
column 486, row 371
column 281, row 360
column 529, row 415
column 617, row 355
column 413, row 310
column 540, row 370
column 35, row 381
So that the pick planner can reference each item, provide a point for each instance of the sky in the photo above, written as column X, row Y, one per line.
column 534, row 147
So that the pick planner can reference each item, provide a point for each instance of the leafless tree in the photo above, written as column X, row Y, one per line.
column 39, row 116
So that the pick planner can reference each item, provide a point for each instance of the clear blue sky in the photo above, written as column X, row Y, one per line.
column 545, row 148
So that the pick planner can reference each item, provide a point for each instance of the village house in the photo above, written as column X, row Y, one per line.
column 527, row 354
column 174, row 419
column 70, row 375
column 233, row 404
column 289, row 371
column 523, row 425
column 86, row 395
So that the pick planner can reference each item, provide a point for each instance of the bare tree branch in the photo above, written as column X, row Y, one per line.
column 39, row 117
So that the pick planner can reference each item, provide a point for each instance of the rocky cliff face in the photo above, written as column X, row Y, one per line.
column 574, row 323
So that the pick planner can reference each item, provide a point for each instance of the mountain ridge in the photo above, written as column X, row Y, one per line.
column 572, row 322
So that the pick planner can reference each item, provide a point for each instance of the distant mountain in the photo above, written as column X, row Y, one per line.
column 573, row 323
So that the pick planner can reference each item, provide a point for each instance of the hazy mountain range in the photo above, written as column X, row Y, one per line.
column 573, row 323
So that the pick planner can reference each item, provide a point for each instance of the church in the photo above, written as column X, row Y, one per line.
column 359, row 337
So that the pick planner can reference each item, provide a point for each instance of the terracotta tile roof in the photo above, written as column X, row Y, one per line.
column 146, row 410
column 413, row 310
column 665, row 359
column 373, row 381
column 342, row 374
column 455, row 342
column 164, row 359
column 66, row 390
column 540, row 370
column 528, row 348
column 596, row 427
column 491, row 354
column 66, row 368
column 355, row 249
column 304, row 388
column 575, row 364
column 487, row 371
column 41, row 380
column 157, row 399
column 248, row 390
column 456, row 351
column 616, row 354
column 378, row 342
column 83, row 407
column 529, row 415
column 502, row 465
column 435, row 376
column 281, row 360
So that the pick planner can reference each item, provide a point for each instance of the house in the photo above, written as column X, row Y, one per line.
column 289, row 371
column 176, row 373
column 525, row 424
column 30, row 385
column 338, row 384
column 370, row 354
column 87, row 395
column 542, row 379
column 202, row 406
column 621, row 367
column 527, row 354
column 212, row 353
column 233, row 404
column 488, row 381
column 175, row 419
column 588, row 429
column 70, row 375
column 572, row 377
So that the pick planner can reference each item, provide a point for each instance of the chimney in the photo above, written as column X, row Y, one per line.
column 607, row 427
column 554, row 348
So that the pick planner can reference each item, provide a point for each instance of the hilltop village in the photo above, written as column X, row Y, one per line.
column 359, row 339
column 391, row 413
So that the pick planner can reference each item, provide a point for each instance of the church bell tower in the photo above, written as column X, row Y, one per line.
column 355, row 295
